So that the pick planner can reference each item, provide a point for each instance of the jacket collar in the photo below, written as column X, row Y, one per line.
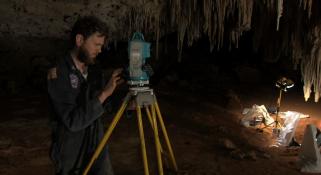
column 70, row 63
column 72, row 67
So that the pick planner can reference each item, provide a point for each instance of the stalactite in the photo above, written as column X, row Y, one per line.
column 311, row 67
column 317, row 84
column 297, row 54
column 244, row 17
column 225, row 21
column 307, row 5
column 181, row 35
column 207, row 8
column 270, row 4
column 279, row 13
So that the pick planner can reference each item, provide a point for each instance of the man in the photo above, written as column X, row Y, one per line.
column 77, row 92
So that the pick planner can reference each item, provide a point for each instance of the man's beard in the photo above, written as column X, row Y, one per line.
column 83, row 56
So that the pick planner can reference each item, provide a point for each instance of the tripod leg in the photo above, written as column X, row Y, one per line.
column 149, row 115
column 169, row 147
column 277, row 123
column 142, row 139
column 107, row 134
column 151, row 122
column 157, row 142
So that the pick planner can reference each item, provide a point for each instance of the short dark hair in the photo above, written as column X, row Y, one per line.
column 86, row 26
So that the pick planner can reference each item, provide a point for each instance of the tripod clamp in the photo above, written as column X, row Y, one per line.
column 144, row 96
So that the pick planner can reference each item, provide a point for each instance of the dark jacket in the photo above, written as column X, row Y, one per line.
column 77, row 129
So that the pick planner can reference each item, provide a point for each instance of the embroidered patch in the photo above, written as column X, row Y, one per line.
column 74, row 81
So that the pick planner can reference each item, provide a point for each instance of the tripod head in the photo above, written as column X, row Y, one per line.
column 284, row 83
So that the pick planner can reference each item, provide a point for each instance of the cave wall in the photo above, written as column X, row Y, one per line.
column 54, row 18
column 34, row 32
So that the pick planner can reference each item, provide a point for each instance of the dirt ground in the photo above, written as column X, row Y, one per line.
column 203, row 126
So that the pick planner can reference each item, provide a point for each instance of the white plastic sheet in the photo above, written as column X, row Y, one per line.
column 287, row 132
column 260, row 114
column 256, row 114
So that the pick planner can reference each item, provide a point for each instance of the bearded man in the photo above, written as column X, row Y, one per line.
column 77, row 93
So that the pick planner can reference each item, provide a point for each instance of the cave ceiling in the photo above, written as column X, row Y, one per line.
column 280, row 28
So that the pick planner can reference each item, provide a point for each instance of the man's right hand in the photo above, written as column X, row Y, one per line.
column 111, row 85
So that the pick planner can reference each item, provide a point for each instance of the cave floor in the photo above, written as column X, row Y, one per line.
column 203, row 128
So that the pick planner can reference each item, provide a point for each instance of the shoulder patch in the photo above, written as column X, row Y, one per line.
column 74, row 80
column 52, row 73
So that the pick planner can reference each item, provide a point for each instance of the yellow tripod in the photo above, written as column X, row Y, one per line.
column 144, row 97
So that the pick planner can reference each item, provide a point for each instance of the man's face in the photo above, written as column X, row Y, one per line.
column 90, row 48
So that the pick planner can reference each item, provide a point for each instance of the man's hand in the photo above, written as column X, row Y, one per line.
column 111, row 85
